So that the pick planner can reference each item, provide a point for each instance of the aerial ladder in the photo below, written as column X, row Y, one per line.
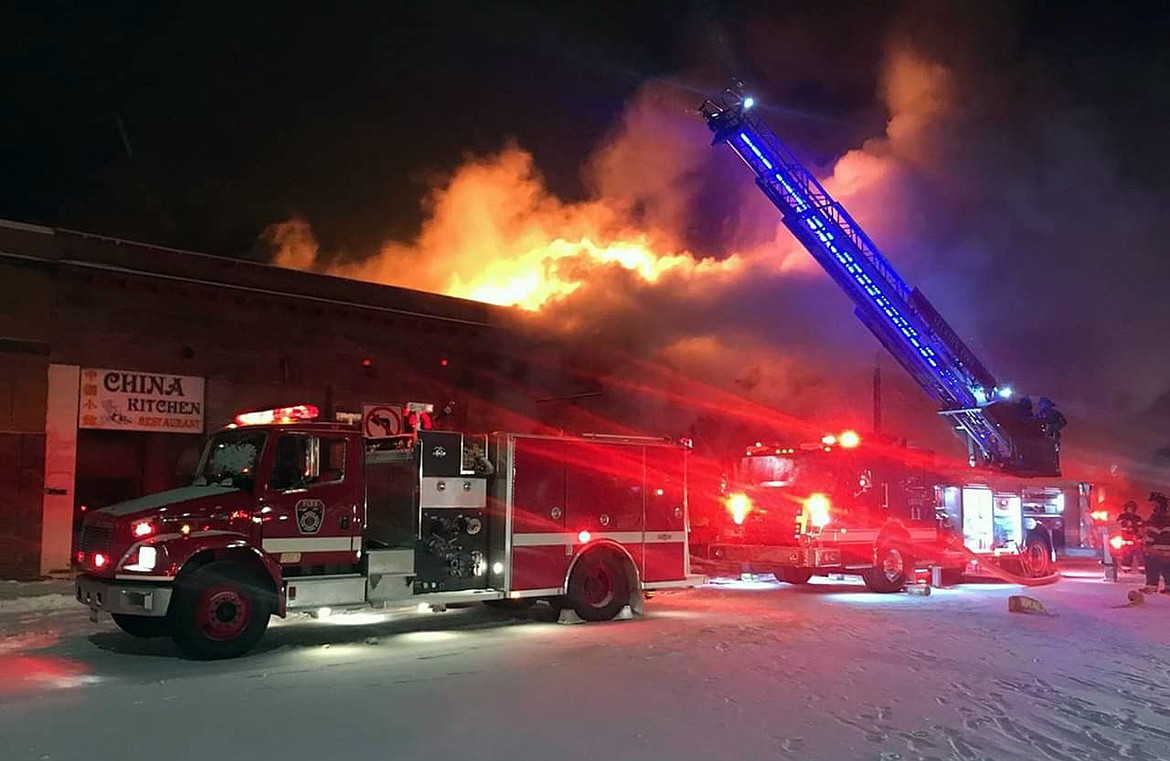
column 999, row 432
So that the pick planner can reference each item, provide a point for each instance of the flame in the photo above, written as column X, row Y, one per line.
column 496, row 234
column 534, row 277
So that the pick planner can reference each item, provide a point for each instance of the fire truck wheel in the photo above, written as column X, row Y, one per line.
column 598, row 588
column 220, row 610
column 889, row 572
column 145, row 627
column 1037, row 556
column 790, row 575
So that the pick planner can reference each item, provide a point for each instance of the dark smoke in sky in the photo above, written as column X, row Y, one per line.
column 992, row 186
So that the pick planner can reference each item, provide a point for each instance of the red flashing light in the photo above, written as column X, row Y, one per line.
column 584, row 536
column 99, row 560
column 443, row 362
column 367, row 362
column 144, row 528
column 80, row 558
column 849, row 439
column 1100, row 515
column 819, row 509
column 1117, row 542
column 278, row 415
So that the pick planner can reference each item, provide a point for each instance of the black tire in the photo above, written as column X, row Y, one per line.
column 220, row 610
column 598, row 586
column 891, row 569
column 143, row 627
column 1037, row 556
column 790, row 575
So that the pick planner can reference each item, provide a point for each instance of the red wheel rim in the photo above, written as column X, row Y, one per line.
column 598, row 586
column 222, row 613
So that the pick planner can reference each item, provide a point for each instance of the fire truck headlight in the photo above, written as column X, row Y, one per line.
column 497, row 567
column 739, row 505
column 144, row 559
column 849, row 439
column 818, row 508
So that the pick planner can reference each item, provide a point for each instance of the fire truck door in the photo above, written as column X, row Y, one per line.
column 539, row 538
column 604, row 491
column 666, row 529
column 310, row 501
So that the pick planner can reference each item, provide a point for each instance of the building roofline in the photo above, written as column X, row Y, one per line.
column 60, row 246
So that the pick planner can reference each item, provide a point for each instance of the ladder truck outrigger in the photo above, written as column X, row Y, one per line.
column 832, row 507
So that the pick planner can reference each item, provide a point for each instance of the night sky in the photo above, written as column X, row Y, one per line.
column 196, row 125
column 1028, row 201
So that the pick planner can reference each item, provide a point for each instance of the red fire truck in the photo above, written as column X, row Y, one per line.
column 289, row 514
column 842, row 505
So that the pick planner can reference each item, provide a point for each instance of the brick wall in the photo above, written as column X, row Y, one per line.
column 25, row 291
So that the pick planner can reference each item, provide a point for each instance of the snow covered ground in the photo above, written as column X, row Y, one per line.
column 730, row 671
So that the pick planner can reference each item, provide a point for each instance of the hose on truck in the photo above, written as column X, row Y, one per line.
column 1001, row 573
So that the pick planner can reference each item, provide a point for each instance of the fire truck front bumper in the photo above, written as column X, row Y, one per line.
column 129, row 598
column 769, row 555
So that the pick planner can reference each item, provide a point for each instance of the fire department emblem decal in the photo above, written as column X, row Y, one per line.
column 310, row 515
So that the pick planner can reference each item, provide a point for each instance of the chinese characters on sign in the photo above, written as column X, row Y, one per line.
column 131, row 401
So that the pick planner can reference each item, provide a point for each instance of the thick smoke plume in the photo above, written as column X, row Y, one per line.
column 987, row 188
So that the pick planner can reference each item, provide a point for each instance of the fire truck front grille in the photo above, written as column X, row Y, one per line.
column 96, row 538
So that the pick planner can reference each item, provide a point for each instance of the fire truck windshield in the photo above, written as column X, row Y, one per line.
column 230, row 459
column 806, row 472
column 767, row 470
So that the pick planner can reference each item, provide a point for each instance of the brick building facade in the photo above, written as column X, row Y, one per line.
column 253, row 336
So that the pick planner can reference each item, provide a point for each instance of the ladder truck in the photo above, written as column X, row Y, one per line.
column 1007, row 445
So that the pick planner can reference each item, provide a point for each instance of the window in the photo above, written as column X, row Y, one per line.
column 307, row 461
column 332, row 464
column 230, row 459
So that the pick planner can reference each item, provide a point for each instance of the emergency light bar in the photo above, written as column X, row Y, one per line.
column 278, row 415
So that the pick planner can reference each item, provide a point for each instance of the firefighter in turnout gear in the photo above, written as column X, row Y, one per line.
column 1130, row 524
column 1158, row 545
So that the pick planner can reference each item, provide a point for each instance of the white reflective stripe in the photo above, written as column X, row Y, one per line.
column 665, row 537
column 311, row 544
column 621, row 537
column 141, row 577
column 518, row 593
column 849, row 535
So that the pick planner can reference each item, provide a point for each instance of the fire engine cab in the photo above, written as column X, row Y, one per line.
column 287, row 513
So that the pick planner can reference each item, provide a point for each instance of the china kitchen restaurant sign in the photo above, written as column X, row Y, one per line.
column 123, row 400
